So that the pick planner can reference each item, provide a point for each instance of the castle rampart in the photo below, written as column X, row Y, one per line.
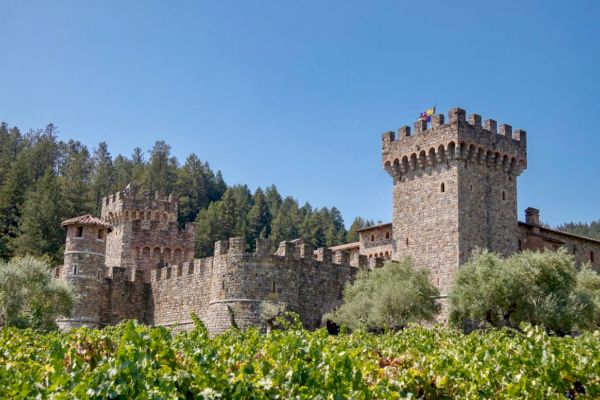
column 294, row 280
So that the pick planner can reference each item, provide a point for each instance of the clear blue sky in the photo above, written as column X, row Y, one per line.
column 298, row 93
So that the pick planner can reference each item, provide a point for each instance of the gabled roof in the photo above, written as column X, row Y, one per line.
column 563, row 233
column 347, row 246
column 368, row 228
column 87, row 219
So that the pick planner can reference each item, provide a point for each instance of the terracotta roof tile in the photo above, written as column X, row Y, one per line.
column 87, row 219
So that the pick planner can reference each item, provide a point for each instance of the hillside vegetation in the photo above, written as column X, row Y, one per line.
column 45, row 180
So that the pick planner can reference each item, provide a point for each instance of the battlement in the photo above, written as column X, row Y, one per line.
column 236, row 247
column 126, row 205
column 459, row 139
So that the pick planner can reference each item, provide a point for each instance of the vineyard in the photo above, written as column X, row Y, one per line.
column 135, row 361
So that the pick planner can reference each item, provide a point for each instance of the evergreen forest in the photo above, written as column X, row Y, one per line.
column 45, row 180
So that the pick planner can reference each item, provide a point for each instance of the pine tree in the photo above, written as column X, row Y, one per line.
column 192, row 188
column 138, row 168
column 161, row 172
column 208, row 230
column 357, row 224
column 123, row 168
column 286, row 225
column 75, row 178
column 273, row 200
column 43, row 212
column 335, row 232
column 102, row 176
column 259, row 218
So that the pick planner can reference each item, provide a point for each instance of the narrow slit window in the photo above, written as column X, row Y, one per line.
column 442, row 187
column 591, row 256
column 273, row 288
column 407, row 241
column 503, row 195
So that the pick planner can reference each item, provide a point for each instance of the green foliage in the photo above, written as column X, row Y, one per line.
column 137, row 362
column 44, row 180
column 388, row 298
column 30, row 297
column 43, row 211
column 591, row 230
column 588, row 289
column 538, row 288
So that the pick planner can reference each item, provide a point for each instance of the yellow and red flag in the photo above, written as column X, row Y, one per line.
column 426, row 115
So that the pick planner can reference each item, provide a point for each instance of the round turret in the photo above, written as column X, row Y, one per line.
column 84, row 268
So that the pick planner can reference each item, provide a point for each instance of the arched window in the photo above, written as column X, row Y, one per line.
column 442, row 187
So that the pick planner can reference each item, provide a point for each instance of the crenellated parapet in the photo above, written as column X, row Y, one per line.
column 127, row 205
column 460, row 139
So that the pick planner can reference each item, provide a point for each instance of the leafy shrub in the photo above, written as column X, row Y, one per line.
column 30, row 297
column 388, row 298
column 534, row 287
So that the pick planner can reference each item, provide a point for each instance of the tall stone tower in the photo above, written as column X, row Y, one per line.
column 146, row 233
column 454, row 189
column 84, row 269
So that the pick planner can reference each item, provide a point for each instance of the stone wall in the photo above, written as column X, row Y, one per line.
column 248, row 282
column 178, row 291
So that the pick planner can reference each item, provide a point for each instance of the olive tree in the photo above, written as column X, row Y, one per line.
column 30, row 297
column 540, row 288
column 388, row 298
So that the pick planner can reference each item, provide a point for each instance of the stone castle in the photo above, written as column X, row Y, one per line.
column 454, row 189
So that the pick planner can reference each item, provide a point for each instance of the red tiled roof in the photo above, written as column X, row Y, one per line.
column 87, row 219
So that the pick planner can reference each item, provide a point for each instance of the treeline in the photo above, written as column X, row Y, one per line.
column 44, row 180
column 266, row 214
column 591, row 230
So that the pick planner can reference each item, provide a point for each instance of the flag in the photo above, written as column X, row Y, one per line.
column 426, row 115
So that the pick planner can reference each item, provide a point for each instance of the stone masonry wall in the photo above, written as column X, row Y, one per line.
column 248, row 282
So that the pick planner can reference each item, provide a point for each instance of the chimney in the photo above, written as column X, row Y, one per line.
column 532, row 216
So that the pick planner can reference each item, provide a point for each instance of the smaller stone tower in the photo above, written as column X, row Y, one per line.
column 146, row 234
column 84, row 268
